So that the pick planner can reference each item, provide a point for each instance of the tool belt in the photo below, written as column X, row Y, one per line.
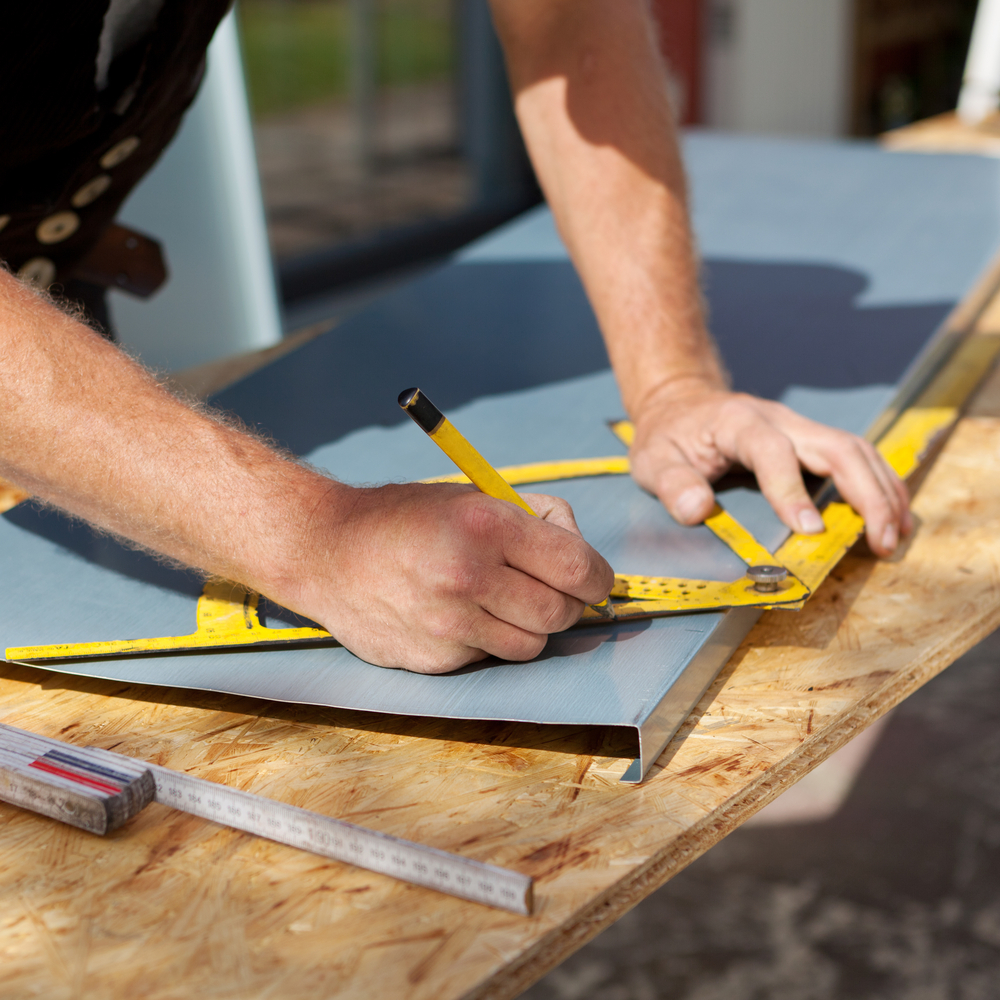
column 125, row 259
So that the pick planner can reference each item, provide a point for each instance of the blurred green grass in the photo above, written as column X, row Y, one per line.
column 297, row 52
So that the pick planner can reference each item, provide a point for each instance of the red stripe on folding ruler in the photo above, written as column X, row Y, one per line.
column 80, row 779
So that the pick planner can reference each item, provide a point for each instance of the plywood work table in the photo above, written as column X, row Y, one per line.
column 174, row 907
column 171, row 906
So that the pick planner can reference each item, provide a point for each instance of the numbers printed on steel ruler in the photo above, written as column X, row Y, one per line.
column 98, row 790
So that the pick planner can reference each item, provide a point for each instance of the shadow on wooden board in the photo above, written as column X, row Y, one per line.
column 830, row 607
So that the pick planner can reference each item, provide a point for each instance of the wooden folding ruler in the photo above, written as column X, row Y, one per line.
column 226, row 613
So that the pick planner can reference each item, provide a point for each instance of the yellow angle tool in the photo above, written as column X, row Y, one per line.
column 226, row 614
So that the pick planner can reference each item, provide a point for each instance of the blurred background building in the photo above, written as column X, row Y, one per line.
column 384, row 132
column 830, row 67
column 383, row 137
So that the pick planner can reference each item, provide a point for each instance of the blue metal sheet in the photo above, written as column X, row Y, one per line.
column 835, row 264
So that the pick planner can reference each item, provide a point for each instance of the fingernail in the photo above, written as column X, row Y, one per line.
column 890, row 538
column 690, row 504
column 810, row 522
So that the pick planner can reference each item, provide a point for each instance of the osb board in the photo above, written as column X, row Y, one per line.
column 945, row 133
column 172, row 906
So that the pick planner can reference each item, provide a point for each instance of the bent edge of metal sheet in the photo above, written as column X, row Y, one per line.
column 684, row 692
column 649, row 685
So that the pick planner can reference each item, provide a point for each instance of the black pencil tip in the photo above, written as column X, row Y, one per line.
column 423, row 411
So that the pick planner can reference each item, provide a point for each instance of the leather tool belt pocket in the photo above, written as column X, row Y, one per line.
column 125, row 259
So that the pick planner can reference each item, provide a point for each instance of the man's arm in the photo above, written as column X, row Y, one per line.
column 591, row 98
column 424, row 577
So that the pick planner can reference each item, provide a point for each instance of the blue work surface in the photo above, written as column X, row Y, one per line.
column 827, row 267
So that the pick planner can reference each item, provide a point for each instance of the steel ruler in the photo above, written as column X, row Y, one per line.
column 98, row 790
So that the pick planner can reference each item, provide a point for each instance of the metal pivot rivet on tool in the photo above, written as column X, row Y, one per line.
column 767, row 578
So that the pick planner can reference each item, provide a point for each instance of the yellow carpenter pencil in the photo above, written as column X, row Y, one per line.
column 481, row 474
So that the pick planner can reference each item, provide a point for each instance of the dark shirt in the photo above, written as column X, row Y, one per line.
column 69, row 153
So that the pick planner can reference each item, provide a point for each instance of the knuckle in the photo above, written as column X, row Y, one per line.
column 868, row 449
column 739, row 405
column 828, row 443
column 860, row 450
column 524, row 646
column 576, row 565
column 453, row 581
column 447, row 624
column 560, row 506
column 561, row 612
column 777, row 465
column 466, row 581
column 763, row 442
column 480, row 517
column 879, row 509
column 838, row 436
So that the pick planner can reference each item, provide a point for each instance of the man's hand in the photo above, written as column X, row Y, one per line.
column 688, row 437
column 591, row 97
column 432, row 577
column 425, row 577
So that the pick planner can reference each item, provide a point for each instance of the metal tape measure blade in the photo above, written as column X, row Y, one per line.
column 343, row 841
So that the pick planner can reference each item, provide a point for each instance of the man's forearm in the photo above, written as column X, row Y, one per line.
column 87, row 429
column 591, row 98
column 428, row 577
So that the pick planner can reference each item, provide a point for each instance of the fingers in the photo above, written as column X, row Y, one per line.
column 686, row 493
column 433, row 577
column 468, row 633
column 681, row 446
column 455, row 628
column 484, row 637
column 771, row 455
column 516, row 598
column 557, row 557
column 895, row 490
column 681, row 488
column 866, row 482
column 508, row 642
column 862, row 477
column 503, row 613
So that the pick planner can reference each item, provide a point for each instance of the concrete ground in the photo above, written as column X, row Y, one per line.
column 877, row 880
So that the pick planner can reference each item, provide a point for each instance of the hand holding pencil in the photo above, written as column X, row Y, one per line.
column 481, row 474
column 431, row 577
